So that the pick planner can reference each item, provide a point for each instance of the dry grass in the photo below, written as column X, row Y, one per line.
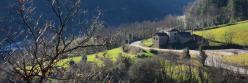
column 241, row 60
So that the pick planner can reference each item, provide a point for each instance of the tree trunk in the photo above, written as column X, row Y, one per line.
column 42, row 77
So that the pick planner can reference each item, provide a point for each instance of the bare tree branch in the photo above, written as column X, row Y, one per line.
column 46, row 42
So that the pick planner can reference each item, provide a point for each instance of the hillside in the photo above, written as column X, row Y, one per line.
column 236, row 33
column 124, row 41
column 115, row 12
column 239, row 36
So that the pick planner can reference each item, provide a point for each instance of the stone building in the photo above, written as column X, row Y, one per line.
column 175, row 38
column 161, row 39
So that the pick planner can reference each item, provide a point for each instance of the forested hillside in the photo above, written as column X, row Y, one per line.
column 115, row 12
column 205, row 13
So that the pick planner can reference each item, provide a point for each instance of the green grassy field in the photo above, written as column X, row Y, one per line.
column 95, row 58
column 111, row 54
column 241, row 60
column 147, row 42
column 240, row 37
column 175, row 71
column 238, row 32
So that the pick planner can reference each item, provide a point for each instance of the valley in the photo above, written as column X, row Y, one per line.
column 123, row 41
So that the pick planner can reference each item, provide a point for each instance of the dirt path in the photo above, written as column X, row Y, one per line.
column 214, row 56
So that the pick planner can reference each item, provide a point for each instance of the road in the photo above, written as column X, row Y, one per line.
column 214, row 56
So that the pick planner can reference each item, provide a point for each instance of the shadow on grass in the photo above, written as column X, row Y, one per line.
column 224, row 45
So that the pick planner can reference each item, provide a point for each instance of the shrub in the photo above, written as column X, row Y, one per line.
column 146, row 71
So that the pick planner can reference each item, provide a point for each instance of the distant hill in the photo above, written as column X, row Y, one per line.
column 116, row 12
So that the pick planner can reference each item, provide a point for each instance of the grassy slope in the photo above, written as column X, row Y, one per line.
column 240, row 38
column 175, row 71
column 147, row 42
column 240, row 31
column 241, row 60
column 111, row 54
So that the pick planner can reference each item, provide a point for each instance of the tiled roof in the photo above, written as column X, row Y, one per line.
column 185, row 34
column 172, row 29
column 161, row 34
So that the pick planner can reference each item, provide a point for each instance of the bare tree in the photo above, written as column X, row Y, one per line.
column 6, row 40
column 46, row 41
column 173, row 22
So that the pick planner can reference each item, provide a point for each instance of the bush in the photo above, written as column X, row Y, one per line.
column 146, row 71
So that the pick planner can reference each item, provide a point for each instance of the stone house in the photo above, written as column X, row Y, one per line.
column 173, row 37
column 161, row 40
